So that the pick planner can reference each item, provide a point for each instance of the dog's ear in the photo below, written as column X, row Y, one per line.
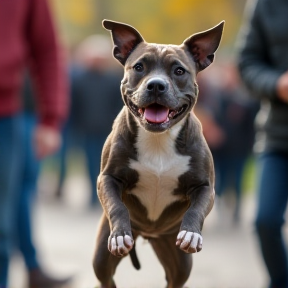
column 203, row 45
column 125, row 39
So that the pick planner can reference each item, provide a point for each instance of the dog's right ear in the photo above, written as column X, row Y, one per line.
column 125, row 39
column 202, row 46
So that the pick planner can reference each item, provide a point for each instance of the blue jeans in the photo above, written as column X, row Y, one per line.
column 18, row 177
column 93, row 145
column 27, row 189
column 272, row 201
column 229, row 173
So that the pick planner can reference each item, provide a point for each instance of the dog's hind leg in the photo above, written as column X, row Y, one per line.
column 176, row 263
column 104, row 263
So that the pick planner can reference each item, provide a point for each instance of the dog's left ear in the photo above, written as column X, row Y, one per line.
column 125, row 39
column 203, row 45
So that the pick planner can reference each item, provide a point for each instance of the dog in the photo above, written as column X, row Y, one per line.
column 157, row 172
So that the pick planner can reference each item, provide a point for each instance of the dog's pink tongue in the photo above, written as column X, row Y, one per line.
column 156, row 113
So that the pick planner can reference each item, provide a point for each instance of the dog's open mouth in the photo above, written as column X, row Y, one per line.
column 159, row 114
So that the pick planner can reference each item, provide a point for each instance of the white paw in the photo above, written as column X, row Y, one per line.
column 189, row 242
column 120, row 246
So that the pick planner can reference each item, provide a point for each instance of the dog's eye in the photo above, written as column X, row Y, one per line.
column 179, row 71
column 138, row 67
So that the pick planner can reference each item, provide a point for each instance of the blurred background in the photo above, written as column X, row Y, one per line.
column 67, row 211
column 162, row 21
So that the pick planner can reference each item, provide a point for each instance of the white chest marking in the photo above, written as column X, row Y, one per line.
column 159, row 167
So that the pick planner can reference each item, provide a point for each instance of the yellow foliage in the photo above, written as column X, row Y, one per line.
column 78, row 12
column 173, row 7
column 158, row 21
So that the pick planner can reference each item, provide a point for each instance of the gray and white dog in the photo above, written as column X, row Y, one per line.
column 157, row 174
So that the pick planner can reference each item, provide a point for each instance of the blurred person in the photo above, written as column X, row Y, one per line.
column 70, row 137
column 96, row 101
column 263, row 64
column 229, row 132
column 27, row 39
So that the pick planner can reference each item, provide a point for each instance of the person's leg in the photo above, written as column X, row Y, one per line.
column 93, row 149
column 10, row 165
column 28, row 185
column 272, row 201
column 220, row 186
column 28, row 189
column 221, row 172
column 237, row 171
column 62, row 157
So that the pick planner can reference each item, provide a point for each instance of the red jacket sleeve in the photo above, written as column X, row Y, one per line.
column 48, row 67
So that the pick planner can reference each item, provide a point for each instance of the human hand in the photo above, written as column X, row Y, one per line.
column 213, row 133
column 282, row 87
column 47, row 140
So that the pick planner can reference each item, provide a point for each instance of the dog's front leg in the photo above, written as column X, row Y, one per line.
column 120, row 241
column 189, row 238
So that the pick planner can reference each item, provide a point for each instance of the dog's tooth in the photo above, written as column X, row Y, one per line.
column 172, row 114
column 140, row 111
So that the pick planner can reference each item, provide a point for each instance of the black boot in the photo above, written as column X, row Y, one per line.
column 38, row 279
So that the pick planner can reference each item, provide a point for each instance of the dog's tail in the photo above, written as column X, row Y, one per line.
column 134, row 258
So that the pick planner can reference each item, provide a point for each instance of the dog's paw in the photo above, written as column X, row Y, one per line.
column 189, row 242
column 120, row 246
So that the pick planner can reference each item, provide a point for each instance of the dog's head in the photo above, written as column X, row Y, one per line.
column 159, row 85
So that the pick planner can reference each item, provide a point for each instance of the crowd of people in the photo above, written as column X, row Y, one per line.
column 48, row 105
column 227, row 115
column 95, row 102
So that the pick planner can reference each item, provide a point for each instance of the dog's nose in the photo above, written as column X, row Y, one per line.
column 157, row 85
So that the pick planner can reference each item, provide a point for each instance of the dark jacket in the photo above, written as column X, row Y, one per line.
column 96, row 101
column 263, row 57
